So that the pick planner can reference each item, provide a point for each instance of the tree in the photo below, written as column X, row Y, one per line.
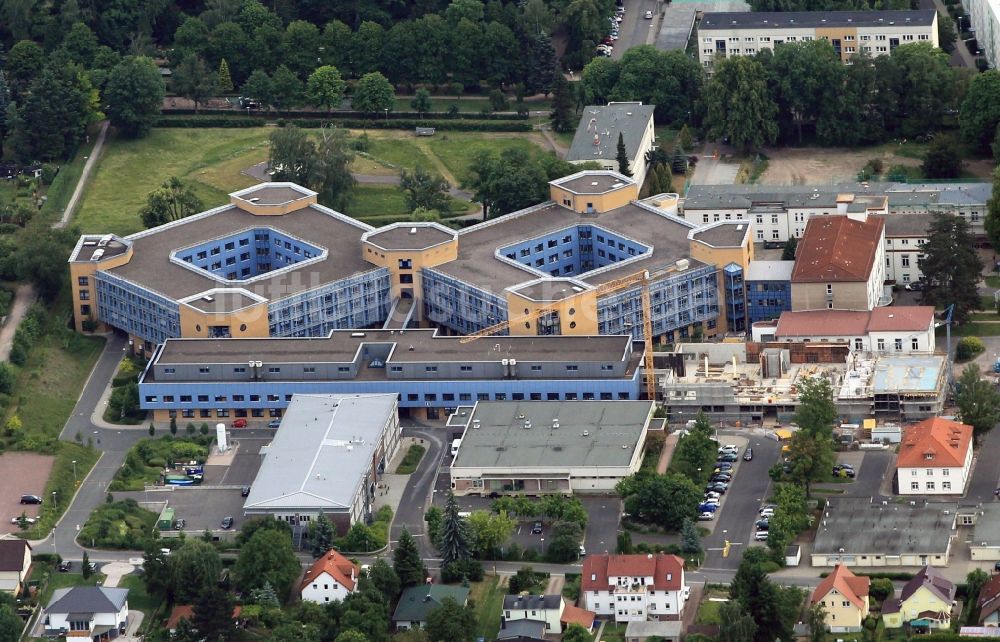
column 543, row 65
column 690, row 539
column 325, row 88
column 193, row 79
column 622, row 156
column 562, row 117
column 810, row 451
column 978, row 401
column 941, row 160
column 685, row 138
column 452, row 622
column 290, row 155
column 739, row 104
column 424, row 189
column 286, row 88
column 506, row 182
column 373, row 94
column 992, row 222
column 384, row 578
column 816, row 621
column 195, row 566
column 350, row 635
column 213, row 615
column 950, row 266
column 267, row 556
column 524, row 579
column 735, row 624
column 665, row 500
column 974, row 581
column 24, row 60
column 265, row 596
column 696, row 451
column 421, row 102
column 454, row 533
column 330, row 172
column 322, row 536
column 171, row 201
column 359, row 539
column 81, row 45
column 157, row 573
column 134, row 95
column 564, row 543
column 52, row 118
column 434, row 517
column 406, row 561
column 258, row 87
column 788, row 252
column 946, row 33
column 85, row 569
column 225, row 81
column 760, row 598
column 576, row 633
column 489, row 531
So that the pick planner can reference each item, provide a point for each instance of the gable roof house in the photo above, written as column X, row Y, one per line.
column 540, row 608
column 331, row 578
column 989, row 602
column 634, row 587
column 417, row 602
column 596, row 138
column 844, row 597
column 935, row 458
column 925, row 600
column 87, row 611
column 15, row 564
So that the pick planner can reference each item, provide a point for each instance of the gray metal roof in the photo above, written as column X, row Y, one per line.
column 606, row 122
column 417, row 601
column 536, row 602
column 321, row 454
column 814, row 19
column 861, row 528
column 987, row 529
column 722, row 233
column 910, row 225
column 521, row 628
column 589, row 433
column 770, row 271
column 87, row 599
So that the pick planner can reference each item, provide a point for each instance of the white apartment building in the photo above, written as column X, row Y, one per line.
column 935, row 457
column 547, row 609
column 902, row 330
column 725, row 34
column 904, row 235
column 985, row 18
column 634, row 588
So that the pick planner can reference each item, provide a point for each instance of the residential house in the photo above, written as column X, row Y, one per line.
column 893, row 330
column 416, row 603
column 935, row 457
column 331, row 578
column 926, row 600
column 634, row 587
column 542, row 608
column 844, row 597
column 596, row 138
column 840, row 264
column 522, row 631
column 989, row 602
column 95, row 612
column 186, row 612
column 15, row 564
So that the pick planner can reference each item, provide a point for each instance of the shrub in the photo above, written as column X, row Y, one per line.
column 463, row 570
column 478, row 122
column 968, row 348
column 881, row 588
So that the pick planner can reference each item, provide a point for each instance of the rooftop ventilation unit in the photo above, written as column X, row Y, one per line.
column 207, row 298
column 413, row 230
column 104, row 240
column 90, row 242
column 97, row 255
column 255, row 199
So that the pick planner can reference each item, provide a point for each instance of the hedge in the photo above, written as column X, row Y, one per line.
column 443, row 125
column 201, row 121
column 392, row 115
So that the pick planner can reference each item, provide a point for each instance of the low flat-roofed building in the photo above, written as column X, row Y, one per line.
column 190, row 378
column 984, row 542
column 326, row 458
column 857, row 533
column 891, row 330
column 549, row 447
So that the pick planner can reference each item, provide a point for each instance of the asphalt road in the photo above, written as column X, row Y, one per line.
column 634, row 30
column 986, row 474
column 416, row 497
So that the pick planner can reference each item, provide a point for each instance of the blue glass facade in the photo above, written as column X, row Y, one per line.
column 356, row 302
column 248, row 253
column 458, row 305
column 573, row 251
column 135, row 309
column 678, row 301
column 768, row 299
column 736, row 314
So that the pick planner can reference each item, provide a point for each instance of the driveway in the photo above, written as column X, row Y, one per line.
column 711, row 169
column 417, row 496
column 634, row 29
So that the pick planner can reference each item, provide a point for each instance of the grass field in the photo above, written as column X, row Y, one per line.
column 489, row 604
column 413, row 456
column 65, row 580
column 457, row 150
column 138, row 598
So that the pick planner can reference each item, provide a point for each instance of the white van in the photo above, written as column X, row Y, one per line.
column 454, row 446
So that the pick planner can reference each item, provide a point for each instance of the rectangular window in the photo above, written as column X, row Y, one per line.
column 930, row 485
column 915, row 344
column 82, row 280
column 899, row 344
column 202, row 398
column 274, row 369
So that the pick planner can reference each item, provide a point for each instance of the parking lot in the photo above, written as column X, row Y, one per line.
column 22, row 474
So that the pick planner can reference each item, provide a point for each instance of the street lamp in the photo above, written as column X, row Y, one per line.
column 54, row 502
column 74, row 471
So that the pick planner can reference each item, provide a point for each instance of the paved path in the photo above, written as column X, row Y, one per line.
column 113, row 572
column 74, row 200
column 560, row 149
column 960, row 56
column 669, row 445
column 23, row 299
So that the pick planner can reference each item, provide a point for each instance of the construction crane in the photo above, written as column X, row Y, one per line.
column 640, row 279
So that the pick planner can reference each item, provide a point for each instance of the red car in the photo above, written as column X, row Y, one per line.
column 240, row 423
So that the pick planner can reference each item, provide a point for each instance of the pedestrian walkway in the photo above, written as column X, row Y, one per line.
column 23, row 299
column 74, row 200
column 669, row 445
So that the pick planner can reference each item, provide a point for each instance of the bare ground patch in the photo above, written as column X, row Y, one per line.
column 22, row 474
column 821, row 166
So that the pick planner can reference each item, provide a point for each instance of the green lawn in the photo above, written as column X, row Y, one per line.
column 65, row 181
column 399, row 153
column 138, row 598
column 210, row 159
column 489, row 604
column 613, row 632
column 65, row 580
column 457, row 150
column 413, row 456
column 993, row 281
column 377, row 201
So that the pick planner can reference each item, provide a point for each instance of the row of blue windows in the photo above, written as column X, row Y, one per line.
column 458, row 305
column 357, row 302
column 230, row 257
column 136, row 310
column 571, row 251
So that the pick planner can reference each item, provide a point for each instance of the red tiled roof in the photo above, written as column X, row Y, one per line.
column 934, row 443
column 904, row 318
column 848, row 584
column 598, row 568
column 336, row 566
column 186, row 611
column 837, row 248
column 989, row 598
column 842, row 323
column 575, row 615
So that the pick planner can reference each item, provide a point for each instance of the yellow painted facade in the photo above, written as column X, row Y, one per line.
column 922, row 600
column 577, row 314
column 598, row 202
column 842, row 613
column 406, row 267
column 721, row 257
column 250, row 321
column 83, row 285
column 262, row 209
column 848, row 37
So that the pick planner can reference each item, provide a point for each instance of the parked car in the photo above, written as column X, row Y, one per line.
column 92, row 565
column 767, row 512
column 712, row 495
column 227, row 522
column 686, row 591
column 583, row 551
column 244, row 491
column 240, row 423
column 723, row 478
column 762, row 524
column 711, row 500
column 274, row 423
column 65, row 566
column 748, row 454
column 760, row 536
column 915, row 286
column 649, row 15
column 718, row 487
column 179, row 524
column 31, row 499
column 729, row 448
column 844, row 470
column 728, row 458
column 707, row 508
column 536, row 528
column 707, row 516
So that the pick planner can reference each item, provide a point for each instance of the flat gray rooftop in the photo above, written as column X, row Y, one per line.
column 986, row 532
column 814, row 19
column 151, row 267
column 590, row 433
column 91, row 244
column 724, row 235
column 607, row 122
column 592, row 184
column 478, row 265
column 342, row 345
column 861, row 528
column 549, row 290
column 272, row 194
column 222, row 302
column 770, row 271
column 321, row 453
column 410, row 237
